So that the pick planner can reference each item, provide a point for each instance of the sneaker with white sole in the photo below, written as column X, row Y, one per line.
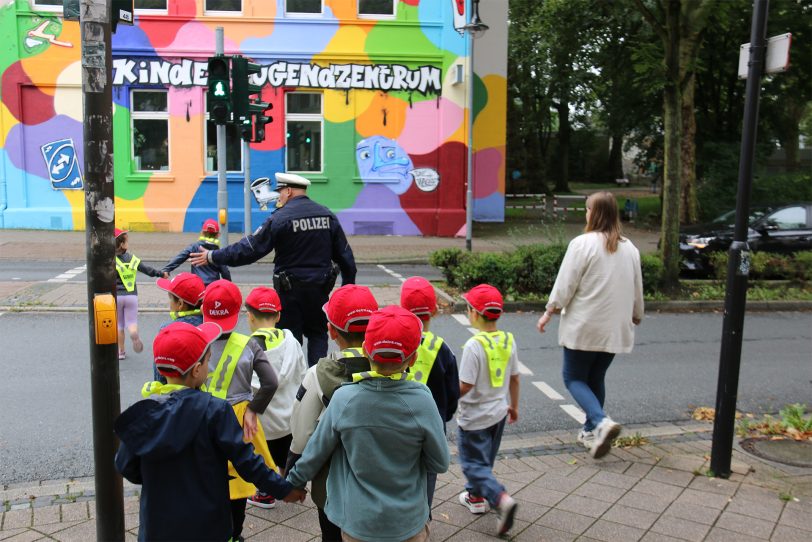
column 586, row 438
column 475, row 505
column 605, row 432
column 506, row 510
column 262, row 500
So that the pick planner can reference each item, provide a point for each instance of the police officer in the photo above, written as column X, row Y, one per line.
column 307, row 238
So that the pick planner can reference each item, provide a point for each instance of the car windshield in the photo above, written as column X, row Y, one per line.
column 729, row 218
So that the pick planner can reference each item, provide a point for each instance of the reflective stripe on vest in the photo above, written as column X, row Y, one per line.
column 218, row 381
column 498, row 346
column 426, row 356
column 159, row 388
column 210, row 240
column 369, row 375
column 126, row 272
column 273, row 337
column 180, row 314
column 353, row 352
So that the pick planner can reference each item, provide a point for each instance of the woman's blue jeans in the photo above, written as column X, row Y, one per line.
column 584, row 374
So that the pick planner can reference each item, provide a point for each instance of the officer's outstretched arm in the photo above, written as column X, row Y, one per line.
column 247, row 250
column 342, row 254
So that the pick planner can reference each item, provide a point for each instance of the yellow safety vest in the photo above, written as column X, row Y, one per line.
column 369, row 375
column 353, row 352
column 273, row 336
column 426, row 356
column 159, row 388
column 211, row 240
column 181, row 314
column 127, row 271
column 498, row 346
column 218, row 381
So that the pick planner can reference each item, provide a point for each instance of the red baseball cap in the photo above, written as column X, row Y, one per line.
column 486, row 300
column 211, row 226
column 392, row 330
column 186, row 286
column 264, row 299
column 417, row 295
column 221, row 304
column 178, row 346
column 119, row 233
column 350, row 307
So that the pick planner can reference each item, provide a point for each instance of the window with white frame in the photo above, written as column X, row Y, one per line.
column 233, row 147
column 47, row 5
column 150, row 5
column 149, row 116
column 303, row 7
column 376, row 8
column 230, row 6
column 304, row 120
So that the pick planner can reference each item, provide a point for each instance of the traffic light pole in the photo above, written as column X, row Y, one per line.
column 222, row 181
column 246, row 157
column 738, row 266
column 97, row 98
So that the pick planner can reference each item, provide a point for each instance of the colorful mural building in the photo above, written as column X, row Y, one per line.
column 369, row 103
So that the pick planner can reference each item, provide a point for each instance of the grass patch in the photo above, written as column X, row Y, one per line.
column 792, row 422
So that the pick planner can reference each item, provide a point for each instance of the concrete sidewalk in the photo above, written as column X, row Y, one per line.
column 655, row 492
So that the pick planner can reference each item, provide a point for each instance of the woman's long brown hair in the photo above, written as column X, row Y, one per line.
column 604, row 217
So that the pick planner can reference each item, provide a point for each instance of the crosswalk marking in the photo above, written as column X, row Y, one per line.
column 392, row 273
column 547, row 390
column 69, row 274
column 575, row 412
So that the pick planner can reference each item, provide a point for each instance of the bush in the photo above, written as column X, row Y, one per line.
column 768, row 266
column 491, row 268
column 535, row 268
column 653, row 272
column 447, row 259
column 802, row 265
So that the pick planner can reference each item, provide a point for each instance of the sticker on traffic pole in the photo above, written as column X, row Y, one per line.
column 63, row 165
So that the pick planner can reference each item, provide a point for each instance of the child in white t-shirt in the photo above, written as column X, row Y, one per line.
column 286, row 357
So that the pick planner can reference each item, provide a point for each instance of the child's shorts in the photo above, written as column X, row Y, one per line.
column 127, row 311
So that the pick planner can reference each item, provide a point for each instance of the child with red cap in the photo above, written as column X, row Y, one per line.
column 489, row 375
column 286, row 357
column 348, row 311
column 185, row 292
column 210, row 240
column 384, row 435
column 436, row 365
column 127, row 266
column 176, row 443
column 234, row 360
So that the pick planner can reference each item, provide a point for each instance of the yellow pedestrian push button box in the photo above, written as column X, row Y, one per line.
column 104, row 312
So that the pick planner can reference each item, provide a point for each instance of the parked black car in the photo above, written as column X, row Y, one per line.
column 783, row 229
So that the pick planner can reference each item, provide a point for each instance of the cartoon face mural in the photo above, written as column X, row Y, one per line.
column 383, row 141
column 382, row 160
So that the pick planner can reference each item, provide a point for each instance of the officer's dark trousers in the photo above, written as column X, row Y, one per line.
column 302, row 314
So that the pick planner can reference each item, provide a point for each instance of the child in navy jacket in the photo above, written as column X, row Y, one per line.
column 210, row 240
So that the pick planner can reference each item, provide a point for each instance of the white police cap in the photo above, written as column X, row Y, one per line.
column 292, row 180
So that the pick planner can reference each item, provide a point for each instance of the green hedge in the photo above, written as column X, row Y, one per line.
column 530, row 269
column 769, row 266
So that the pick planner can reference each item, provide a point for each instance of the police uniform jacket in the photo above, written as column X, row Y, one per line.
column 307, row 238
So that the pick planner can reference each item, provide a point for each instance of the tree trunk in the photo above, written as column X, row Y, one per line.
column 689, row 208
column 615, row 168
column 791, row 138
column 562, row 182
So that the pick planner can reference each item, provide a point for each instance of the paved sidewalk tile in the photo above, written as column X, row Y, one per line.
column 613, row 532
column 742, row 524
column 566, row 521
column 632, row 517
column 680, row 528
column 783, row 533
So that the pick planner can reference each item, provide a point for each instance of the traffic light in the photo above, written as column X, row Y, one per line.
column 218, row 97
column 261, row 118
column 248, row 105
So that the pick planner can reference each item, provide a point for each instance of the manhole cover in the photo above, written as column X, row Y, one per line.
column 789, row 452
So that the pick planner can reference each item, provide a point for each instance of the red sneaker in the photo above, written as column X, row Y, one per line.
column 261, row 500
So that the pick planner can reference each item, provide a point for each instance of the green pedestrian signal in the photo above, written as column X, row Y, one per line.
column 218, row 99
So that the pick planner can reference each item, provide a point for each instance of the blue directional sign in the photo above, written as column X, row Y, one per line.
column 63, row 165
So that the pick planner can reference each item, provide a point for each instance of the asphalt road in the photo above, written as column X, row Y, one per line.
column 45, row 403
column 250, row 274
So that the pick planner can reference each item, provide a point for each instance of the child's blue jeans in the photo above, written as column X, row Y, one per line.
column 477, row 451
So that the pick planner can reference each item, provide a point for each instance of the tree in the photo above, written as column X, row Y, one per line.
column 679, row 25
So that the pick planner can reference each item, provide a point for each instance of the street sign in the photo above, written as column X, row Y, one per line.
column 776, row 60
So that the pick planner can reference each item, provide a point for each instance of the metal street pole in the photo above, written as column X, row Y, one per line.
column 97, row 97
column 222, row 182
column 246, row 157
column 738, row 265
column 469, row 191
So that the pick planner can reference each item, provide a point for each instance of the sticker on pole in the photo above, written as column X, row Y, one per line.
column 63, row 165
column 776, row 59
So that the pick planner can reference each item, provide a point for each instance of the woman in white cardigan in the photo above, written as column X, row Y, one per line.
column 599, row 293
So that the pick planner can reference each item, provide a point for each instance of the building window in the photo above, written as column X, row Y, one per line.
column 233, row 147
column 47, row 5
column 152, row 5
column 304, row 120
column 303, row 7
column 376, row 8
column 150, row 130
column 232, row 6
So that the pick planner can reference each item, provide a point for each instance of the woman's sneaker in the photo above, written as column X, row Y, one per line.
column 506, row 510
column 262, row 500
column 605, row 432
column 475, row 505
column 586, row 438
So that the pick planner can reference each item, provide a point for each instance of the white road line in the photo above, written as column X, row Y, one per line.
column 392, row 273
column 463, row 320
column 69, row 274
column 575, row 412
column 547, row 390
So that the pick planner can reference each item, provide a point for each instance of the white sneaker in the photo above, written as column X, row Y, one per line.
column 475, row 505
column 506, row 512
column 605, row 432
column 586, row 438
